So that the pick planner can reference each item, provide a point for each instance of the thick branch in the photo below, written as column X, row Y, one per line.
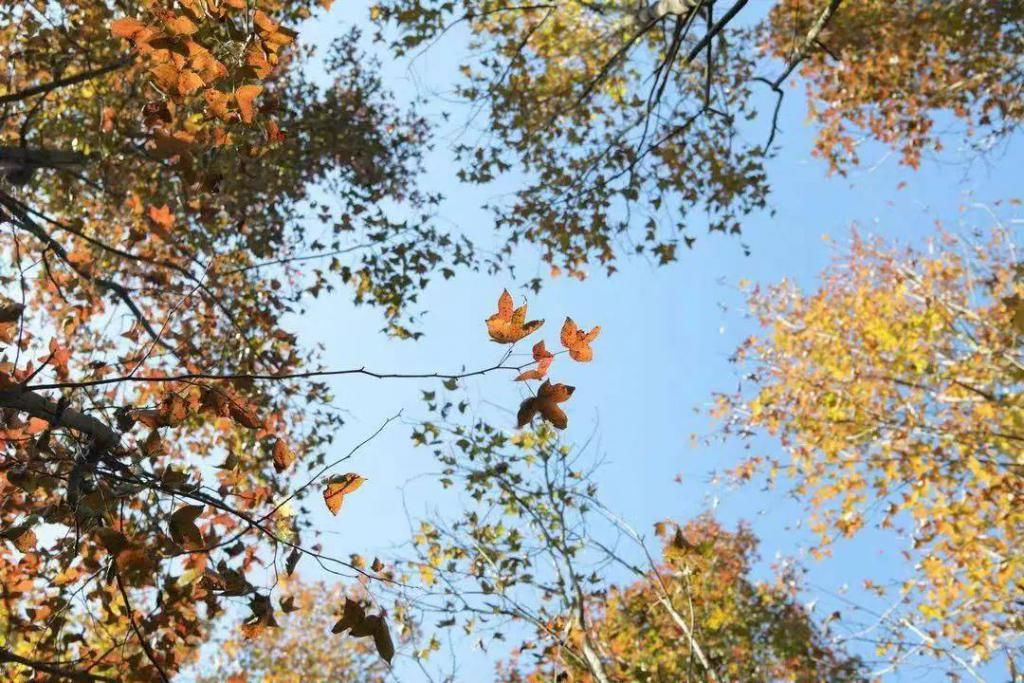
column 39, row 158
column 43, row 408
column 54, row 670
column 80, row 77
column 719, row 26
column 809, row 40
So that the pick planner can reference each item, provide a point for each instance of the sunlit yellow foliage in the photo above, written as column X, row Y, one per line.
column 895, row 390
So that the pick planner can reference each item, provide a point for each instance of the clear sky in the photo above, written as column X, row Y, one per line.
column 667, row 335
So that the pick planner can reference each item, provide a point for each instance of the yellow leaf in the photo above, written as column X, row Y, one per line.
column 338, row 487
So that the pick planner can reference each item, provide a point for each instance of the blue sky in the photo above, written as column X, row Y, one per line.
column 667, row 335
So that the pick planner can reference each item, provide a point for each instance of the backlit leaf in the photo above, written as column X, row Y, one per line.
column 338, row 487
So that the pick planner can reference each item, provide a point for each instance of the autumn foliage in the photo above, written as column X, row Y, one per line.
column 897, row 71
column 750, row 630
column 302, row 645
column 180, row 181
column 894, row 392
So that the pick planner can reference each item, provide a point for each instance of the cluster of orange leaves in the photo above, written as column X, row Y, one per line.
column 180, row 52
column 508, row 326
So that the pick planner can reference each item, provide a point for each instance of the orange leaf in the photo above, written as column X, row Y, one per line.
column 173, row 411
column 217, row 102
column 127, row 28
column 180, row 25
column 257, row 59
column 338, row 487
column 543, row 357
column 283, row 456
column 546, row 403
column 578, row 341
column 508, row 326
column 263, row 22
column 189, row 81
column 204, row 63
column 274, row 134
column 245, row 95
column 166, row 77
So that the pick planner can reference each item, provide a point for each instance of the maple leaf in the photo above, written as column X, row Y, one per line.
column 127, row 28
column 578, row 341
column 244, row 96
column 217, row 102
column 179, row 25
column 359, row 624
column 544, row 358
column 256, row 59
column 262, row 616
column 338, row 487
column 508, row 326
column 136, row 565
column 546, row 403
column 183, row 527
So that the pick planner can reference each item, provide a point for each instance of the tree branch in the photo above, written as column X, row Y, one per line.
column 48, row 668
column 80, row 77
column 43, row 408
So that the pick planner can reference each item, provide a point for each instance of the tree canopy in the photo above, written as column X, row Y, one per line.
column 181, row 180
column 894, row 391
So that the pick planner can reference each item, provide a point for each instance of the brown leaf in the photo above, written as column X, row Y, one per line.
column 546, row 403
column 382, row 639
column 360, row 625
column 136, row 565
column 184, row 531
column 262, row 616
column 578, row 341
column 10, row 312
column 173, row 411
column 351, row 617
column 283, row 456
column 243, row 414
column 293, row 559
column 114, row 541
